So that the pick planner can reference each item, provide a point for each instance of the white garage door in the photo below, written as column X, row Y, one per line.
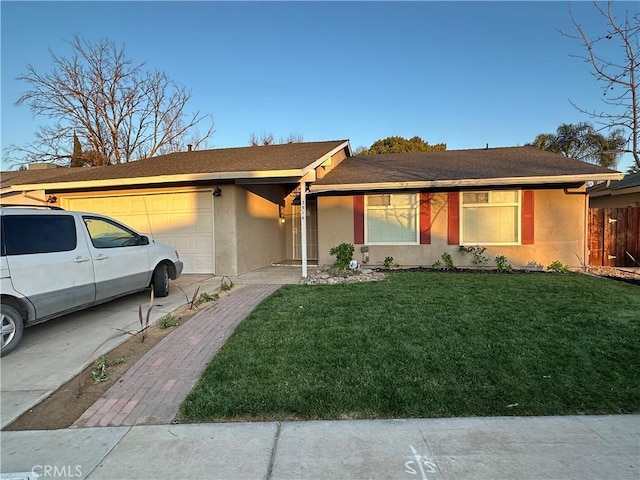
column 181, row 219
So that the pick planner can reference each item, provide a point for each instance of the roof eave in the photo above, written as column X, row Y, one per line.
column 470, row 182
column 315, row 164
column 183, row 178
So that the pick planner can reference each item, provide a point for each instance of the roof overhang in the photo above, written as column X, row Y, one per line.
column 464, row 183
column 246, row 177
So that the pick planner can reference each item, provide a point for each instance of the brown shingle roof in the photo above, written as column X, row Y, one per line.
column 452, row 165
column 18, row 177
column 292, row 156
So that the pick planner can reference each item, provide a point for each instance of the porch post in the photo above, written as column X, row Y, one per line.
column 303, row 226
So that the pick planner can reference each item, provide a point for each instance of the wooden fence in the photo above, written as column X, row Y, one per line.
column 614, row 237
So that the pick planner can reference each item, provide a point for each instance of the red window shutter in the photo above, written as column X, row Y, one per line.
column 358, row 219
column 425, row 218
column 453, row 218
column 527, row 216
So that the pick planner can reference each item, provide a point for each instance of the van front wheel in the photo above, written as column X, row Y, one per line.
column 160, row 281
column 11, row 328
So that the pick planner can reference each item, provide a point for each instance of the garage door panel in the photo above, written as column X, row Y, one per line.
column 183, row 220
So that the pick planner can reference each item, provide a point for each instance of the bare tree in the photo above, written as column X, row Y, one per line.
column 293, row 138
column 268, row 139
column 120, row 111
column 618, row 77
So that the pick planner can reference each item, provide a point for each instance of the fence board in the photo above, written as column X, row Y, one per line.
column 633, row 236
column 596, row 236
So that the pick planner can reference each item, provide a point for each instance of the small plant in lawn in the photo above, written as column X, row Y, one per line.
column 388, row 261
column 558, row 267
column 344, row 255
column 167, row 321
column 502, row 265
column 477, row 252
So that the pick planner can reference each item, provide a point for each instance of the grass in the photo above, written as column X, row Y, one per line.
column 430, row 345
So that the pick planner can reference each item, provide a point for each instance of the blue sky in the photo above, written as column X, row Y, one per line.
column 462, row 73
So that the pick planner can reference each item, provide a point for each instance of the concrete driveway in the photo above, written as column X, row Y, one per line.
column 52, row 353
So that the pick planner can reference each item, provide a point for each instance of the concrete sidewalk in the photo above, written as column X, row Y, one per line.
column 509, row 448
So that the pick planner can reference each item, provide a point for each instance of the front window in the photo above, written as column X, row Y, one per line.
column 392, row 218
column 490, row 218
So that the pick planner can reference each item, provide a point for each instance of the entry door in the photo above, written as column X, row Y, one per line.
column 312, row 231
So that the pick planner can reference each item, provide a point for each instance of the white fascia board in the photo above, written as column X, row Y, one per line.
column 326, row 156
column 483, row 182
column 128, row 181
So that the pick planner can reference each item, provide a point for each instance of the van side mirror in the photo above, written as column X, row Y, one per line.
column 144, row 240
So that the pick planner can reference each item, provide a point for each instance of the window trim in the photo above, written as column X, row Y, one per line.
column 519, row 221
column 417, row 212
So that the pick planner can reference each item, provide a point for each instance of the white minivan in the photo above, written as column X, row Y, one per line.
column 54, row 262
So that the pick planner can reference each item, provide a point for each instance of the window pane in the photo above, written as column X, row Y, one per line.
column 379, row 200
column 504, row 197
column 30, row 234
column 490, row 225
column 403, row 200
column 395, row 223
column 108, row 235
column 475, row 197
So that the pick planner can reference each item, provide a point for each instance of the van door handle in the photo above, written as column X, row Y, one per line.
column 102, row 256
column 81, row 259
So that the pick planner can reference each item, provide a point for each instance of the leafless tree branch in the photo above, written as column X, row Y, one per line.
column 118, row 110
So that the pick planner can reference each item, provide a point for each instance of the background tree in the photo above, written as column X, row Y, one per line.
column 77, row 159
column 120, row 111
column 401, row 145
column 583, row 142
column 617, row 76
column 269, row 139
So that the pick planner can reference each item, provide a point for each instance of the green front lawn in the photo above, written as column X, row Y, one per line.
column 430, row 345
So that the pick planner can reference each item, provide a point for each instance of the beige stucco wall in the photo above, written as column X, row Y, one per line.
column 559, row 234
column 248, row 232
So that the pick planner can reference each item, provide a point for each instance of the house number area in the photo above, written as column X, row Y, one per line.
column 420, row 465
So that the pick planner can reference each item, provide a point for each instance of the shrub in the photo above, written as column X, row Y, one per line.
column 502, row 265
column 477, row 252
column 344, row 255
column 388, row 261
column 446, row 264
column 558, row 267
column 167, row 321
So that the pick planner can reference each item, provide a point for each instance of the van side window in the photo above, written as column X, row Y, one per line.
column 106, row 234
column 30, row 234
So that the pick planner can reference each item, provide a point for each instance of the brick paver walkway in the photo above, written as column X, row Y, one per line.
column 151, row 391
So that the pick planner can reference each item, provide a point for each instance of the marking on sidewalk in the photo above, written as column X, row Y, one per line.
column 423, row 464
